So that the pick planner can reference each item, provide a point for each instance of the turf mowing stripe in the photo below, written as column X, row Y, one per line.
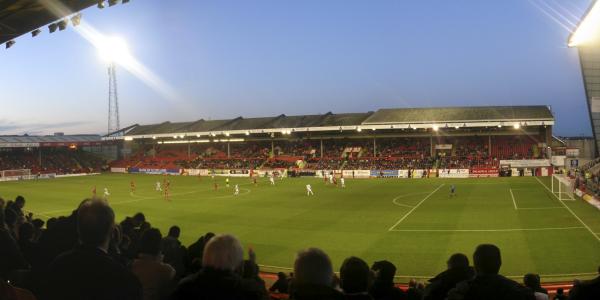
column 513, row 198
column 413, row 209
column 574, row 215
column 490, row 230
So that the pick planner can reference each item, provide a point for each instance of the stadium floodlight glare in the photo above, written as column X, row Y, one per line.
column 197, row 135
column 247, row 132
column 517, row 126
column 128, row 138
column 36, row 32
column 154, row 137
column 358, row 129
column 457, row 127
column 499, row 125
column 9, row 44
column 435, row 128
column 588, row 30
column 52, row 27
column 226, row 133
column 114, row 50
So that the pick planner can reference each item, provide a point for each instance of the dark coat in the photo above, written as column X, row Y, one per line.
column 442, row 283
column 89, row 273
column 490, row 287
column 214, row 284
column 315, row 292
column 585, row 290
column 386, row 291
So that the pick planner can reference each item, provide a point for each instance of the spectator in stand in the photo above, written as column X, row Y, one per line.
column 355, row 279
column 87, row 271
column 155, row 276
column 11, row 258
column 220, row 277
column 28, row 247
column 174, row 253
column 415, row 290
column 584, row 290
column 458, row 270
column 560, row 294
column 313, row 277
column 281, row 285
column 17, row 206
column 196, row 252
column 383, row 287
column 487, row 283
column 532, row 281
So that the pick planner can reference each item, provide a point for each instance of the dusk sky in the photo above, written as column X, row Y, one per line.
column 224, row 59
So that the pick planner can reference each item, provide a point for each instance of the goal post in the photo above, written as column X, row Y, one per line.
column 562, row 187
column 17, row 174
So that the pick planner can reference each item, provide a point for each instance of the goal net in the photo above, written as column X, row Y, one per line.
column 562, row 187
column 19, row 174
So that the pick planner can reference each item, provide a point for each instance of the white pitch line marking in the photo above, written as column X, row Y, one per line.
column 569, row 209
column 490, row 230
column 513, row 198
column 415, row 207
column 534, row 208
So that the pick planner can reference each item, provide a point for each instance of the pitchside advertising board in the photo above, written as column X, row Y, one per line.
column 154, row 171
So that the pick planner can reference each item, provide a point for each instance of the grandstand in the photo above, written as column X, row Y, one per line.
column 479, row 139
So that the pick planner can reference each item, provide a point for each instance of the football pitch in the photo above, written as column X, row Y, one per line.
column 414, row 223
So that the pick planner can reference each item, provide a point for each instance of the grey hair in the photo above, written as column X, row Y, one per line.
column 313, row 266
column 223, row 252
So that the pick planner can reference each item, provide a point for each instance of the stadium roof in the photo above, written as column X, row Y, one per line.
column 18, row 17
column 399, row 118
column 15, row 141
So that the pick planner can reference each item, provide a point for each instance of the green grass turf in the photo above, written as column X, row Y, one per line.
column 362, row 219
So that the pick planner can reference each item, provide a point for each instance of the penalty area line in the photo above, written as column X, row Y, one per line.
column 513, row 198
column 571, row 211
column 490, row 230
column 415, row 207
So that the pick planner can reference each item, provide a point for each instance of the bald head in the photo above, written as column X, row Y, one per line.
column 95, row 222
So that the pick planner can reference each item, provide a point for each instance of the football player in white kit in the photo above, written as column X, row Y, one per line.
column 342, row 182
column 272, row 179
column 106, row 193
column 157, row 187
column 309, row 190
column 236, row 190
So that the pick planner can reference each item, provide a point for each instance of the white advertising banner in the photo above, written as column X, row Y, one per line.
column 417, row 173
column 558, row 160
column 402, row 173
column 356, row 173
column 443, row 146
column 197, row 172
column 118, row 170
column 453, row 173
column 526, row 163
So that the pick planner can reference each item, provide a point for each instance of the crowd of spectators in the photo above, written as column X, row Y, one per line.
column 365, row 154
column 87, row 255
column 59, row 161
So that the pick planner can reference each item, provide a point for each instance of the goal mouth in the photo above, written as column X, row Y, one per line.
column 563, row 187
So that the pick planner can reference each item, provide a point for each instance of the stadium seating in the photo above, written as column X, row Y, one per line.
column 385, row 153
column 59, row 161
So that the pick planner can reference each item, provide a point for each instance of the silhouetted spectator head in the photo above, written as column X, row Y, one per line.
column 458, row 261
column 38, row 223
column 208, row 236
column 355, row 275
column 95, row 222
column 51, row 222
column 20, row 202
column 560, row 291
column 26, row 231
column 313, row 266
column 174, row 231
column 487, row 259
column 10, row 217
column 223, row 252
column 150, row 242
column 531, row 280
column 281, row 276
column 138, row 219
column 412, row 283
column 384, row 271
